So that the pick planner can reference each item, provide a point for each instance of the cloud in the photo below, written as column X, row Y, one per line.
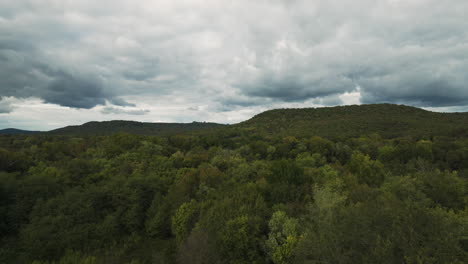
column 330, row 100
column 25, row 73
column 389, row 49
column 69, row 91
column 229, row 56
column 116, row 110
column 5, row 106
column 193, row 108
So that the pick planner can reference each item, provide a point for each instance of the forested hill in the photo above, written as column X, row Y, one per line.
column 387, row 120
column 132, row 127
column 254, row 192
column 14, row 131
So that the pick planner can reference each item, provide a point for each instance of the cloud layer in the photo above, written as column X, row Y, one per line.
column 226, row 56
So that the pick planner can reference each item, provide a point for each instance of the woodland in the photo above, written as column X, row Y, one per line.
column 358, row 184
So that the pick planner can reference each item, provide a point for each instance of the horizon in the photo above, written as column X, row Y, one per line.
column 225, row 124
column 69, row 63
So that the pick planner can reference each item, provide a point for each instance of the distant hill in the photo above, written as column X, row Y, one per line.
column 132, row 127
column 14, row 131
column 388, row 120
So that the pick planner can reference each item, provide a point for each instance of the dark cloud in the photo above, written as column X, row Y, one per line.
column 67, row 90
column 243, row 101
column 434, row 93
column 120, row 102
column 297, row 87
column 25, row 73
column 439, row 84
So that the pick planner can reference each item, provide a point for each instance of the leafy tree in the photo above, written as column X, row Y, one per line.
column 308, row 160
column 157, row 223
column 184, row 220
column 368, row 171
column 283, row 238
column 445, row 188
column 240, row 240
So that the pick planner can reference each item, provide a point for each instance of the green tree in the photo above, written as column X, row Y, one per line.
column 283, row 238
column 240, row 241
column 184, row 220
column 368, row 171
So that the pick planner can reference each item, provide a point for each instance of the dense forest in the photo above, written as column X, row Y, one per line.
column 132, row 127
column 357, row 184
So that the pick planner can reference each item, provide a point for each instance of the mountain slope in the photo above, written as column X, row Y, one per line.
column 132, row 127
column 14, row 131
column 388, row 120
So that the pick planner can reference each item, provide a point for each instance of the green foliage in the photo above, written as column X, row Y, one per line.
column 240, row 240
column 112, row 127
column 157, row 220
column 355, row 184
column 424, row 150
column 283, row 238
column 183, row 220
column 305, row 160
column 382, row 230
column 286, row 172
column 319, row 145
column 445, row 189
column 287, row 182
column 71, row 257
column 344, row 122
column 368, row 171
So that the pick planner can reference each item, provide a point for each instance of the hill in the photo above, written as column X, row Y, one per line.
column 132, row 127
column 14, row 131
column 388, row 120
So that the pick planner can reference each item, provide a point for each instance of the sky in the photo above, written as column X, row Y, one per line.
column 67, row 62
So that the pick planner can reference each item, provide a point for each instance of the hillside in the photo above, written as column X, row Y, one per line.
column 388, row 120
column 132, row 127
column 14, row 131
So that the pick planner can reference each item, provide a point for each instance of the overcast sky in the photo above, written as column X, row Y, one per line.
column 66, row 62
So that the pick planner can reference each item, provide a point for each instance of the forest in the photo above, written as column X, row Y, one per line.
column 360, row 184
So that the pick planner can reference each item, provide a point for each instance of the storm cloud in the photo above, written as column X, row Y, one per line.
column 24, row 72
column 225, row 56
